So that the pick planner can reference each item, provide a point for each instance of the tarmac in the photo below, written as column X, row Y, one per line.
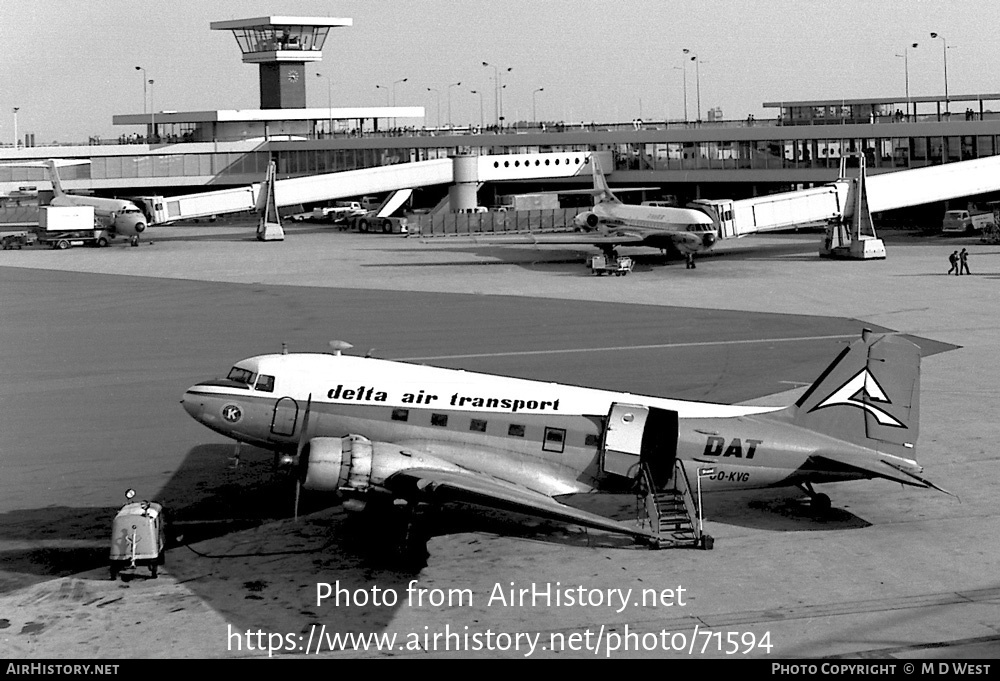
column 100, row 343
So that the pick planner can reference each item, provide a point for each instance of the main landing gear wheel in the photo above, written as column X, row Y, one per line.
column 820, row 502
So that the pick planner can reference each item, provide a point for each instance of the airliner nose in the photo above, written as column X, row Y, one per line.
column 192, row 404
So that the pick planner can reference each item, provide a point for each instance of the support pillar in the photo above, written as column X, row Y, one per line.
column 463, row 193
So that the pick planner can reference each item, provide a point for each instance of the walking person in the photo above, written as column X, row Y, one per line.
column 963, row 259
column 953, row 259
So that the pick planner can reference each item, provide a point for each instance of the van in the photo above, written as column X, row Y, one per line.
column 965, row 222
column 477, row 209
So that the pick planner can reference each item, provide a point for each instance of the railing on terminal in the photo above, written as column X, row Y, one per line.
column 528, row 127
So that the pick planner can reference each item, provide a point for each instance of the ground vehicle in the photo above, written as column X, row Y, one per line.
column 528, row 202
column 965, row 221
column 476, row 209
column 64, row 226
column 603, row 264
column 138, row 536
column 18, row 240
column 371, row 223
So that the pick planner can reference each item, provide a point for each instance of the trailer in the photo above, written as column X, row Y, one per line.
column 605, row 264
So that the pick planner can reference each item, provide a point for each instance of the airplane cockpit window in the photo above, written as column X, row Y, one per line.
column 265, row 383
column 242, row 375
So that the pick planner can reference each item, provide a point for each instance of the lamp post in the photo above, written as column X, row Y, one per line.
column 16, row 109
column 498, row 91
column 438, row 92
column 139, row 68
column 383, row 87
column 697, row 77
column 394, row 84
column 152, row 111
column 684, row 69
column 534, row 114
column 906, row 74
column 449, row 101
column 480, row 93
column 702, row 473
column 329, row 103
column 944, row 53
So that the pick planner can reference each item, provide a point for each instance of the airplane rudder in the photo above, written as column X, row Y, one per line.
column 869, row 393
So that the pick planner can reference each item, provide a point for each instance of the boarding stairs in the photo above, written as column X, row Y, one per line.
column 670, row 512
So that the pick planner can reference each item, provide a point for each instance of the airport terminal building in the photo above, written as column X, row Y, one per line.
column 173, row 152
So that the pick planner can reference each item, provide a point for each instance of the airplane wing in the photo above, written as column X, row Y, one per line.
column 484, row 490
column 621, row 238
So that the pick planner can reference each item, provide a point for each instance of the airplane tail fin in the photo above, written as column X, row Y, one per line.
column 869, row 396
column 602, row 193
column 53, row 169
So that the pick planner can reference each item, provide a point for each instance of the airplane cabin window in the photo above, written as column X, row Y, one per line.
column 400, row 414
column 439, row 419
column 265, row 383
column 515, row 430
column 477, row 425
column 554, row 440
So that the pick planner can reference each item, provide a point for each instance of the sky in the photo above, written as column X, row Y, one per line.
column 70, row 66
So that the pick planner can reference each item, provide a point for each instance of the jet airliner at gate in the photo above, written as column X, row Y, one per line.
column 397, row 435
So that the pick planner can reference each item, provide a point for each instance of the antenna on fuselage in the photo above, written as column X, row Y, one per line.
column 340, row 346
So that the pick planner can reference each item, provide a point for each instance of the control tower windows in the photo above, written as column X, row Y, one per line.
column 275, row 38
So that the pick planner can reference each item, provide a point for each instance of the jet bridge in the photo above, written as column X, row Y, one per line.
column 328, row 186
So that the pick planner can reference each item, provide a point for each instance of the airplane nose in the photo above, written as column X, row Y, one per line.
column 192, row 404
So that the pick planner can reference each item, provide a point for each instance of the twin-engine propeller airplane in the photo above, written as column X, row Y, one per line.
column 378, row 431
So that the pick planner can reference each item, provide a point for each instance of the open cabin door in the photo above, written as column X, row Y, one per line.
column 637, row 434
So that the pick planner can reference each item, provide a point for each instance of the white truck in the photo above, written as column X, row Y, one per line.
column 64, row 226
column 966, row 222
column 508, row 202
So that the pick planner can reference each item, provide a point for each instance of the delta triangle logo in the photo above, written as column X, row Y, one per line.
column 853, row 393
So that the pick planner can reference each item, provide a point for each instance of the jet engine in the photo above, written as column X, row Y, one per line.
column 588, row 221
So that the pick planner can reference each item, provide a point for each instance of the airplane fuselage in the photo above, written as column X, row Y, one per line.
column 550, row 437
column 689, row 231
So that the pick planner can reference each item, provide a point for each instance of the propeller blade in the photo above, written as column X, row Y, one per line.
column 303, row 440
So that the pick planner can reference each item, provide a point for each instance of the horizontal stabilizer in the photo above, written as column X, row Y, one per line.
column 484, row 490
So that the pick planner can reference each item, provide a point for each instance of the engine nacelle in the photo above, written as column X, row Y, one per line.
column 356, row 463
column 588, row 220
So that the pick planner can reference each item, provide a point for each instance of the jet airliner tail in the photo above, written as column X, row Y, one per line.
column 602, row 193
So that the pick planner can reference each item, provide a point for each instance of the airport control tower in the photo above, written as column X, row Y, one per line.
column 281, row 46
